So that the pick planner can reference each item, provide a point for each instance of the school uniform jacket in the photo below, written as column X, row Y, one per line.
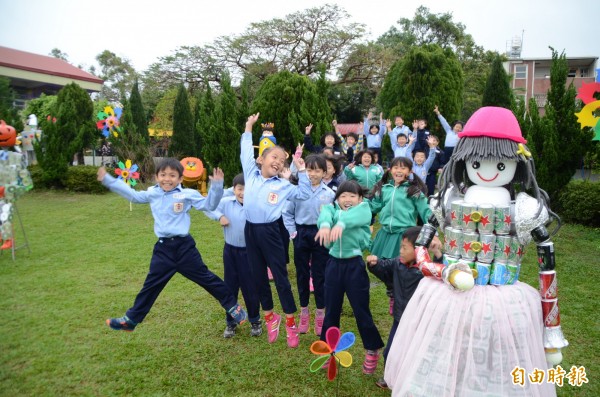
column 355, row 221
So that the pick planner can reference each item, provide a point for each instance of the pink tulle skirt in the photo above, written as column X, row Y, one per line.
column 452, row 343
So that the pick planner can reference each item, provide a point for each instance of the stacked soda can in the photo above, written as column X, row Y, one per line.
column 549, row 292
column 480, row 237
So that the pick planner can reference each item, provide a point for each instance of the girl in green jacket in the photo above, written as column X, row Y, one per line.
column 366, row 173
column 344, row 227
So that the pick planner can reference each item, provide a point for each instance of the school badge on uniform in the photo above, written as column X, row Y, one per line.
column 273, row 198
column 177, row 207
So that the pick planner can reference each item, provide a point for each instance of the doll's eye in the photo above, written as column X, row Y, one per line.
column 501, row 167
column 475, row 165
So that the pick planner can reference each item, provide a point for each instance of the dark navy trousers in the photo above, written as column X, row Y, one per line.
column 310, row 258
column 386, row 351
column 238, row 276
column 264, row 245
column 177, row 255
column 349, row 276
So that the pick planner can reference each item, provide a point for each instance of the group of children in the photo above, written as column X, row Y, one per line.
column 328, row 220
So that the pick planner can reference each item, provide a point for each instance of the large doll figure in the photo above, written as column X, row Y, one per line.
column 471, row 328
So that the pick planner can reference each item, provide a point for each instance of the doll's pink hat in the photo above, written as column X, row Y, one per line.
column 493, row 122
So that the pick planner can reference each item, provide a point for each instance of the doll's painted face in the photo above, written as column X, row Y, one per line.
column 491, row 173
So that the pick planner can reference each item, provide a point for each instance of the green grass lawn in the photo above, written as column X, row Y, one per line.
column 89, row 257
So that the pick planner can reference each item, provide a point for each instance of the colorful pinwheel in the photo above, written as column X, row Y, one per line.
column 586, row 116
column 128, row 172
column 108, row 121
column 332, row 352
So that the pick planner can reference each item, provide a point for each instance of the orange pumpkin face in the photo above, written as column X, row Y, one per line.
column 192, row 169
column 8, row 134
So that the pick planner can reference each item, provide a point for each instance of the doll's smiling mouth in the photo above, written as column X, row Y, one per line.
column 487, row 180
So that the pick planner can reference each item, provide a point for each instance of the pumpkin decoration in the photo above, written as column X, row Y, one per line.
column 8, row 134
column 194, row 174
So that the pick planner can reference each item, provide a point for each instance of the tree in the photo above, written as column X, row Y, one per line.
column 118, row 75
column 205, row 123
column 228, row 132
column 138, row 114
column 182, row 141
column 8, row 112
column 56, row 53
column 425, row 77
column 497, row 89
column 291, row 102
column 41, row 107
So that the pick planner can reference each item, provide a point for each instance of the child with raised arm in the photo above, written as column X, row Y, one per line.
column 310, row 257
column 423, row 162
column 175, row 251
column 237, row 275
column 436, row 165
column 329, row 142
column 265, row 197
column 451, row 133
column 374, row 134
column 404, row 278
column 420, row 132
column 351, row 144
column 344, row 228
column 364, row 171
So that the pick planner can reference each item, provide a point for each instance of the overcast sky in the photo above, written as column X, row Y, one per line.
column 144, row 30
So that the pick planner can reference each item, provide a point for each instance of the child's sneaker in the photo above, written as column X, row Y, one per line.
column 370, row 363
column 304, row 321
column 256, row 329
column 319, row 317
column 273, row 328
column 382, row 383
column 121, row 324
column 229, row 331
column 239, row 314
column 292, row 336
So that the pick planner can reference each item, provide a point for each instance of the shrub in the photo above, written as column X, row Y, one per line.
column 82, row 178
column 579, row 202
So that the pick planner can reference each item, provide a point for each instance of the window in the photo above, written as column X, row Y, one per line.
column 584, row 72
column 520, row 71
column 572, row 73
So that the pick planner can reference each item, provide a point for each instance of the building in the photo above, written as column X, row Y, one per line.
column 32, row 75
column 530, row 77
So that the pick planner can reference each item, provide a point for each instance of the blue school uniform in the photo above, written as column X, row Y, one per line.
column 237, row 273
column 374, row 140
column 175, row 251
column 422, row 170
column 310, row 257
column 265, row 199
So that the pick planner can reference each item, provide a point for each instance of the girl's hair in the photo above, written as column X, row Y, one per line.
column 238, row 180
column 338, row 163
column 462, row 123
column 270, row 148
column 416, row 186
column 492, row 149
column 316, row 161
column 169, row 162
column 336, row 139
column 374, row 126
column 350, row 186
column 358, row 157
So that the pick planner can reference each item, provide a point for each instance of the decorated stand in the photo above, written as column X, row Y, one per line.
column 194, row 174
column 468, row 335
column 15, row 180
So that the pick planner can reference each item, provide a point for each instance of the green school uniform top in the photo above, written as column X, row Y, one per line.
column 397, row 211
column 366, row 177
column 355, row 221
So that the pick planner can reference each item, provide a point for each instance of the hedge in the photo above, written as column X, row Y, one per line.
column 579, row 202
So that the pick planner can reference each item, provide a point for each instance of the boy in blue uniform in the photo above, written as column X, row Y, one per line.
column 175, row 251
column 230, row 214
column 374, row 134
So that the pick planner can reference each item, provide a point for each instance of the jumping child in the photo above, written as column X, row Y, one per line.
column 265, row 197
column 374, row 134
column 365, row 173
column 175, row 251
column 310, row 257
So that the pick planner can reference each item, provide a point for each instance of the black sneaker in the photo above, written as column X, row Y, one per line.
column 256, row 329
column 382, row 383
column 229, row 331
column 121, row 324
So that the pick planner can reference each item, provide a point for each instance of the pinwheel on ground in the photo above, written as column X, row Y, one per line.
column 332, row 352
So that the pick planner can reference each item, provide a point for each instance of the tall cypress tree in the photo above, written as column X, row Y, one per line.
column 138, row 114
column 497, row 88
column 183, row 143
column 206, row 129
column 229, row 131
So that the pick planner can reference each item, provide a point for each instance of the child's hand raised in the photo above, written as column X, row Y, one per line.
column 285, row 173
column 351, row 165
column 299, row 150
column 415, row 125
column 253, row 118
column 308, row 128
column 372, row 260
column 299, row 162
column 101, row 173
column 224, row 221
column 436, row 110
column 388, row 124
column 322, row 236
column 218, row 175
column 411, row 138
column 431, row 142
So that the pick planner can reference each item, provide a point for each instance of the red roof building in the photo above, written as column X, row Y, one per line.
column 32, row 75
